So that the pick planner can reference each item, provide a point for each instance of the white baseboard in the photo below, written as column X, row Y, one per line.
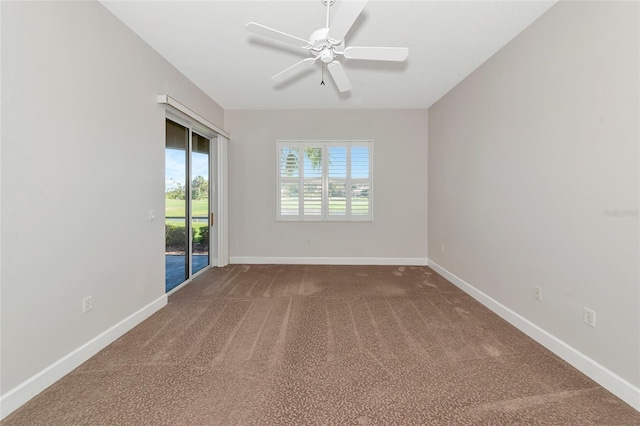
column 22, row 393
column 400, row 261
column 615, row 384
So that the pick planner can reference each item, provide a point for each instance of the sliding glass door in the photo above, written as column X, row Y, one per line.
column 187, row 207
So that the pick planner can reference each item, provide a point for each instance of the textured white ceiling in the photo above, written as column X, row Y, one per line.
column 207, row 41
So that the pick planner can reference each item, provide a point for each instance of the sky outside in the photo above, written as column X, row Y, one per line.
column 175, row 166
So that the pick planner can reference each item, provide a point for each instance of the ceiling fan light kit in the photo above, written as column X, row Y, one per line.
column 327, row 43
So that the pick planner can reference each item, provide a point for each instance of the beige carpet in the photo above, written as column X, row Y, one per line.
column 276, row 345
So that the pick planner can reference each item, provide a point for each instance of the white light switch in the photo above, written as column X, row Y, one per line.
column 152, row 215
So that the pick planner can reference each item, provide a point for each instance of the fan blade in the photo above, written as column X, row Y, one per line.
column 305, row 63
column 339, row 76
column 277, row 35
column 398, row 54
column 345, row 17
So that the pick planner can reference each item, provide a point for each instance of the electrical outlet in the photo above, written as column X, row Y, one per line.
column 589, row 317
column 87, row 304
column 537, row 293
column 308, row 241
column 442, row 247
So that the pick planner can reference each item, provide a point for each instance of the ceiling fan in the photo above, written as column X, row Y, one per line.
column 327, row 44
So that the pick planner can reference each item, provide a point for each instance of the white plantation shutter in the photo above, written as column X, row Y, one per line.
column 360, row 181
column 337, row 198
column 325, row 180
column 289, row 182
column 312, row 174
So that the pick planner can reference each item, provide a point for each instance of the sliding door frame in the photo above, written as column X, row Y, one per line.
column 218, row 193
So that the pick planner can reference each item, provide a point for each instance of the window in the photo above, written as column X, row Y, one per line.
column 325, row 180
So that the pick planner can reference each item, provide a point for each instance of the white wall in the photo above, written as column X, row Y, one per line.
column 525, row 156
column 399, row 231
column 82, row 165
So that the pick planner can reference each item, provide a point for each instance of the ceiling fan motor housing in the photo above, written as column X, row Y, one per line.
column 321, row 47
column 327, row 56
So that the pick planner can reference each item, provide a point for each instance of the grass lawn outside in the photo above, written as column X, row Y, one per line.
column 177, row 207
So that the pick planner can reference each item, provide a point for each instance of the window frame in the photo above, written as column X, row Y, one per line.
column 325, row 179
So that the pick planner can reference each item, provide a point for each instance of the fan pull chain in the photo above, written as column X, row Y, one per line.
column 322, row 81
